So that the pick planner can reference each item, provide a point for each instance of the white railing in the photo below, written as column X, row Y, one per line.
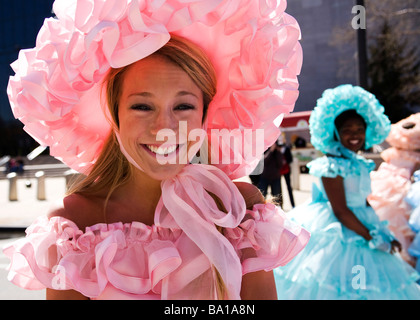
column 40, row 183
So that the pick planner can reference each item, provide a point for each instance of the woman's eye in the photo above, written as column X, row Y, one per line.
column 184, row 106
column 141, row 107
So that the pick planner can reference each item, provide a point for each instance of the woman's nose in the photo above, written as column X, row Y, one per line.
column 163, row 120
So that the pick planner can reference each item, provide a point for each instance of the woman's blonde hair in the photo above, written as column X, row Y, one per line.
column 112, row 169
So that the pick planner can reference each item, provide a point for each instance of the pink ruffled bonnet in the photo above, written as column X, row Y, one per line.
column 253, row 46
column 405, row 134
column 404, row 139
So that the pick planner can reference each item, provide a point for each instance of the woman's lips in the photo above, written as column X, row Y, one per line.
column 165, row 154
column 162, row 149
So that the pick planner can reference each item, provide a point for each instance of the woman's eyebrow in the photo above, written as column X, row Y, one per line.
column 149, row 94
column 186, row 93
column 142, row 94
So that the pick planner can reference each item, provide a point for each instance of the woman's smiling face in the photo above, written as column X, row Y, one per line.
column 157, row 95
column 352, row 134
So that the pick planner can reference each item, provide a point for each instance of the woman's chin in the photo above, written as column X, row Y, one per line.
column 163, row 172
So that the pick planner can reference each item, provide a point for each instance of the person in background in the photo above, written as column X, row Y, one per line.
column 255, row 175
column 285, row 169
column 300, row 142
column 351, row 253
column 270, row 177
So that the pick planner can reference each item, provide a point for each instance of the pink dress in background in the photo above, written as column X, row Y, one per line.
column 392, row 181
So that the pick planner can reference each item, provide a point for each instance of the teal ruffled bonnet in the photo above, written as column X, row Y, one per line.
column 337, row 100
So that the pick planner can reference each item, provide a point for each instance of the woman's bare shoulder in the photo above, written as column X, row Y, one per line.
column 82, row 210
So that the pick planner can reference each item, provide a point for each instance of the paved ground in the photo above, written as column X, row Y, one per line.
column 21, row 213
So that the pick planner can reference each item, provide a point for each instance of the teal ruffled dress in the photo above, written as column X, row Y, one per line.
column 337, row 263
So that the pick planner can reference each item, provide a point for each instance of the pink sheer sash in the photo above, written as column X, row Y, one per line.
column 186, row 202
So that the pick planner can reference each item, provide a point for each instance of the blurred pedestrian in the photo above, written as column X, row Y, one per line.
column 270, row 177
column 255, row 175
column 285, row 169
column 300, row 142
column 11, row 165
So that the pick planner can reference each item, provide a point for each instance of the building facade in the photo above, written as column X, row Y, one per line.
column 325, row 63
column 20, row 21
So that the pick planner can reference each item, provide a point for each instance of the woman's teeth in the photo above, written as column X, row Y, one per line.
column 354, row 142
column 162, row 150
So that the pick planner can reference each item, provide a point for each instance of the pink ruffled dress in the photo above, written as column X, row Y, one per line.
column 162, row 261
column 392, row 181
column 390, row 185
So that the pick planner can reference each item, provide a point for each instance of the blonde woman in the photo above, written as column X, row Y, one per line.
column 144, row 222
